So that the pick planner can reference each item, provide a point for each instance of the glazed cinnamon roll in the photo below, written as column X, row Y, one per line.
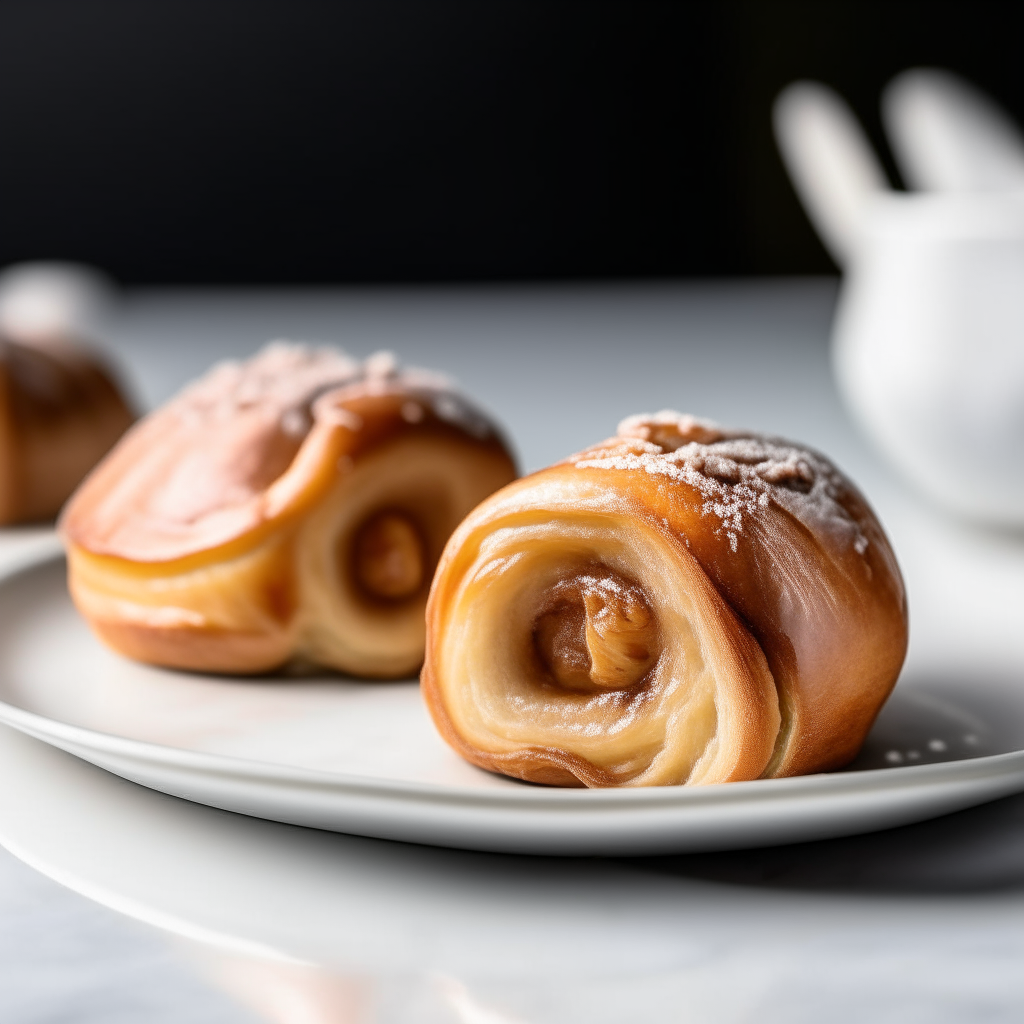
column 290, row 507
column 680, row 604
column 60, row 413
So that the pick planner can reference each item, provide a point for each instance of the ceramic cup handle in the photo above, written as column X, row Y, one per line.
column 830, row 162
column 948, row 136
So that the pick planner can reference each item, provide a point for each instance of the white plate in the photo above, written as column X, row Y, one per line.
column 363, row 757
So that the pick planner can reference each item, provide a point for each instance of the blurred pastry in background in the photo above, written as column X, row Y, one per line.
column 293, row 506
column 61, row 409
column 680, row 604
column 60, row 413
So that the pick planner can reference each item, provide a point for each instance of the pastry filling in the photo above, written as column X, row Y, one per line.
column 388, row 556
column 595, row 632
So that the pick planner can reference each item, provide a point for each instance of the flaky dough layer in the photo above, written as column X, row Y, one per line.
column 677, row 605
column 291, row 507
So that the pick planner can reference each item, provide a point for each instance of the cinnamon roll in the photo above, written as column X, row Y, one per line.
column 290, row 507
column 680, row 604
column 60, row 413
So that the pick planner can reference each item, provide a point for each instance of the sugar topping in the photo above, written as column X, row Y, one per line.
column 284, row 377
column 284, row 380
column 670, row 429
column 738, row 475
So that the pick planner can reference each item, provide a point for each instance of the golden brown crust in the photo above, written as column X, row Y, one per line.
column 227, row 531
column 231, row 652
column 800, row 583
column 60, row 412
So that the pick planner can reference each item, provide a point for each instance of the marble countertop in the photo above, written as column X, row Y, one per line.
column 920, row 923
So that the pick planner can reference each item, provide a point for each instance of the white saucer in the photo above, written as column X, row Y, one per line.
column 363, row 757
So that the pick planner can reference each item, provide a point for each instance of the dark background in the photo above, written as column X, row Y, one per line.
column 291, row 140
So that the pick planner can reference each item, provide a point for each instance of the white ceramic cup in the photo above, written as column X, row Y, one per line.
column 928, row 345
column 928, row 340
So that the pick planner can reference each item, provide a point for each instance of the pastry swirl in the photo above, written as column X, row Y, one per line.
column 290, row 507
column 680, row 604
column 60, row 413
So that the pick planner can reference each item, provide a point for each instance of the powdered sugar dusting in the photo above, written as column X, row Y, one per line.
column 670, row 429
column 737, row 475
column 381, row 364
column 283, row 381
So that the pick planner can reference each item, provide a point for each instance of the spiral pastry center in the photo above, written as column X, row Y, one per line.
column 390, row 562
column 596, row 633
